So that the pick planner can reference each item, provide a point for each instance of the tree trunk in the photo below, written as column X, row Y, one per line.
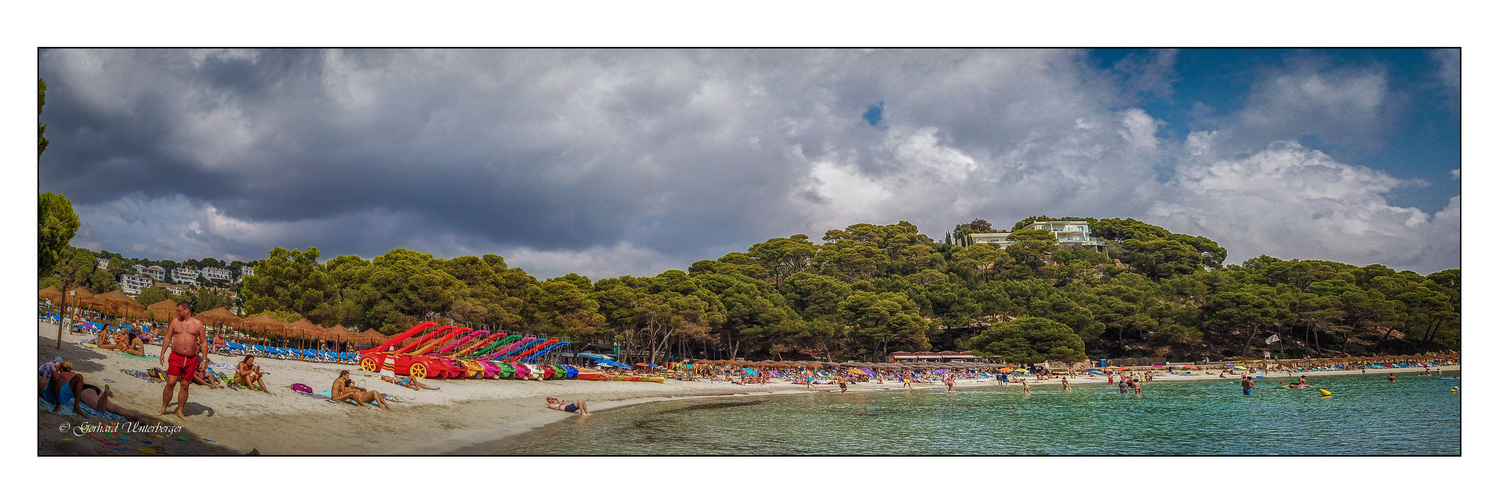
column 1255, row 330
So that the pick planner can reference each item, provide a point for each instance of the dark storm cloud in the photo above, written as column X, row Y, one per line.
column 613, row 162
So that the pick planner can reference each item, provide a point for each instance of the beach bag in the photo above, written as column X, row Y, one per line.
column 302, row 388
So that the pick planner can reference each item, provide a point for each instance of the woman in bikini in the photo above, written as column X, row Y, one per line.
column 344, row 390
column 247, row 373
column 408, row 383
column 133, row 345
column 67, row 384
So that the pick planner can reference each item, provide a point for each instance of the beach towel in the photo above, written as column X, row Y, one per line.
column 129, row 355
column 67, row 409
column 328, row 395
column 142, row 375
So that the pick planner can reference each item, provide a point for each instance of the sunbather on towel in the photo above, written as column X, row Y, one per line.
column 579, row 407
column 408, row 382
column 344, row 390
column 246, row 373
column 204, row 377
column 98, row 399
column 133, row 344
column 64, row 384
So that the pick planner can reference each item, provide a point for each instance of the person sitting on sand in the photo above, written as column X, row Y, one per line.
column 246, row 373
column 204, row 376
column 133, row 344
column 44, row 374
column 344, row 390
column 579, row 407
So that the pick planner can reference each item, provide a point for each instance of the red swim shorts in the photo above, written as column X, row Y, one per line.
column 179, row 366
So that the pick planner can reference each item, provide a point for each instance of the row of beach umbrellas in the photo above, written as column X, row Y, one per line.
column 117, row 304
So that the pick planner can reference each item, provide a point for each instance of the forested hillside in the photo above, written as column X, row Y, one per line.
column 867, row 290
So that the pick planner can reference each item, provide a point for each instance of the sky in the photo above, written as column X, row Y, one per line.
column 615, row 162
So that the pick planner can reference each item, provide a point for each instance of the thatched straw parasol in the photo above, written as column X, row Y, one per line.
column 372, row 337
column 339, row 334
column 264, row 323
column 305, row 329
column 118, row 304
column 162, row 311
column 219, row 316
column 50, row 293
column 80, row 296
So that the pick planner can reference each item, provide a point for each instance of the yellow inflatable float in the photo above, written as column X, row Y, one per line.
column 1324, row 392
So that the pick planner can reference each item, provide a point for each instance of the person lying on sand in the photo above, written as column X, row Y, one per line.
column 98, row 399
column 408, row 383
column 579, row 407
column 344, row 390
column 247, row 373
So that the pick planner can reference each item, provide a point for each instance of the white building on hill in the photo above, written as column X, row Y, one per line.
column 153, row 272
column 215, row 273
column 101, row 263
column 132, row 284
column 1070, row 233
column 184, row 275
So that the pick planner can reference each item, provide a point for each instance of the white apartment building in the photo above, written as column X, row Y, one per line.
column 177, row 289
column 101, row 263
column 215, row 273
column 1070, row 233
column 132, row 284
column 245, row 271
column 153, row 272
column 184, row 275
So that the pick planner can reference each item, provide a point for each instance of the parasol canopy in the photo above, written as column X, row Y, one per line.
column 305, row 329
column 79, row 296
column 50, row 293
column 264, row 323
column 218, row 316
column 373, row 337
column 162, row 311
column 339, row 334
column 117, row 303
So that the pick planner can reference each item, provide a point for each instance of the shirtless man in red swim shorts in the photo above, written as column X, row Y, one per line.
column 188, row 341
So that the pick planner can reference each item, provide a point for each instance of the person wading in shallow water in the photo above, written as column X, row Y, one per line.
column 1247, row 384
column 843, row 387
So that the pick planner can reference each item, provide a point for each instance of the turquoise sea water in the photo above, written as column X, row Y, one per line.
column 1366, row 416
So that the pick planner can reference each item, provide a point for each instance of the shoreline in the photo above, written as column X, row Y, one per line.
column 461, row 418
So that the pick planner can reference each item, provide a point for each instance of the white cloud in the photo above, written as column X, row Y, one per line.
column 1449, row 68
column 616, row 162
column 596, row 263
column 1289, row 201
column 1349, row 107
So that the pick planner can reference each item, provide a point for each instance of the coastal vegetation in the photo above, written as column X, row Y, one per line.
column 867, row 290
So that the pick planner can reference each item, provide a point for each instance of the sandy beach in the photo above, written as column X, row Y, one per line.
column 462, row 413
